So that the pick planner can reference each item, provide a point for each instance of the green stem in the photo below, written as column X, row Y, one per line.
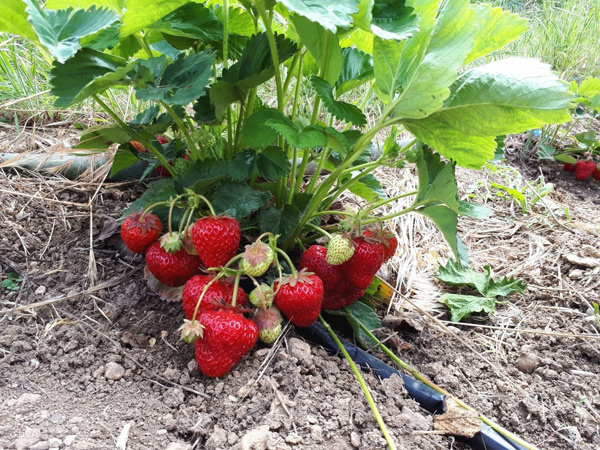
column 297, row 90
column 415, row 373
column 188, row 137
column 144, row 44
column 300, row 175
column 293, row 174
column 391, row 216
column 136, row 136
column 313, row 181
column 184, row 221
column 288, row 260
column 333, row 213
column 319, row 230
column 392, row 199
column 203, row 293
column 266, row 20
column 288, row 78
column 340, row 190
column 362, row 383
column 205, row 200
column 236, row 285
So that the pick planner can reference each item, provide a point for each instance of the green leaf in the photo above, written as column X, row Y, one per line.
column 589, row 88
column 456, row 275
column 369, row 188
column 462, row 306
column 192, row 20
column 564, row 158
column 506, row 286
column 329, row 14
column 430, row 60
column 141, row 13
column 204, row 113
column 272, row 164
column 222, row 94
column 310, row 137
column 323, row 45
column 239, row 21
column 473, row 210
column 392, row 19
column 238, row 200
column 360, row 312
column 61, row 31
column 282, row 222
column 255, row 65
column 102, row 137
column 447, row 221
column 178, row 83
column 13, row 19
column 357, row 69
column 341, row 110
column 88, row 72
column 122, row 160
column 115, row 5
column 256, row 133
column 437, row 182
column 495, row 28
column 240, row 168
column 157, row 191
column 502, row 97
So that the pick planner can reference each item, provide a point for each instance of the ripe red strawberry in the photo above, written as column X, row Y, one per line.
column 171, row 269
column 216, row 239
column 216, row 295
column 340, row 299
column 314, row 259
column 139, row 146
column 299, row 298
column 226, row 339
column 596, row 174
column 568, row 167
column 162, row 139
column 387, row 239
column 584, row 169
column 138, row 233
column 364, row 264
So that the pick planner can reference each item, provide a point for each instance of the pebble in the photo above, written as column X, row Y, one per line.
column 192, row 368
column 217, row 439
column 30, row 436
column 42, row 445
column 299, row 349
column 40, row 291
column 576, row 274
column 255, row 439
column 68, row 440
column 172, row 374
column 28, row 399
column 293, row 438
column 54, row 442
column 527, row 362
column 178, row 446
column 173, row 397
column 55, row 418
column 355, row 439
column 114, row 371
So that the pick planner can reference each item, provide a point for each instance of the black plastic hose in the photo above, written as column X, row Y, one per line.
column 428, row 398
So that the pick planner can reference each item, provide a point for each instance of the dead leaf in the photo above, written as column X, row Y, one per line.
column 582, row 261
column 457, row 420
column 403, row 318
column 167, row 293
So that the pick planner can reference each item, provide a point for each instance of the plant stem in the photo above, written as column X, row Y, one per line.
column 362, row 383
column 319, row 230
column 144, row 44
column 300, row 175
column 205, row 200
column 391, row 216
column 266, row 20
column 293, row 174
column 392, row 199
column 133, row 133
column 288, row 260
column 188, row 137
column 297, row 89
column 313, row 181
column 236, row 285
column 415, row 373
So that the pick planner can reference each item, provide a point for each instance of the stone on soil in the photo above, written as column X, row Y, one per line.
column 114, row 371
column 299, row 349
column 527, row 362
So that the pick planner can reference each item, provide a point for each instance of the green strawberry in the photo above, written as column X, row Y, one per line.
column 262, row 296
column 269, row 324
column 257, row 259
column 340, row 250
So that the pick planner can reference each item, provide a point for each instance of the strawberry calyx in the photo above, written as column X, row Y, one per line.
column 258, row 253
column 171, row 242
column 144, row 221
column 191, row 330
column 302, row 276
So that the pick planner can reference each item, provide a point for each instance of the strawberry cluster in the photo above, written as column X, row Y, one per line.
column 354, row 269
column 584, row 169
column 206, row 261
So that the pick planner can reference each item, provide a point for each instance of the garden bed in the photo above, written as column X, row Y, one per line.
column 57, row 360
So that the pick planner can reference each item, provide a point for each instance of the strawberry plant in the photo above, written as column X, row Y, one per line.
column 244, row 96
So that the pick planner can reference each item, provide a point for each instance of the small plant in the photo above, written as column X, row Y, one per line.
column 463, row 305
column 12, row 282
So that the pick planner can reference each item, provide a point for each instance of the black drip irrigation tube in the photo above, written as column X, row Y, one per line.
column 428, row 398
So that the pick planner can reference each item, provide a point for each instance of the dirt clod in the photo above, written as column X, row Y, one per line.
column 114, row 371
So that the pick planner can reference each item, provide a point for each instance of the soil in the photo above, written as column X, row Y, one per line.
column 99, row 364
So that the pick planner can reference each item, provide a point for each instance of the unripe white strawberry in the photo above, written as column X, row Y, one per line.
column 262, row 296
column 339, row 250
column 257, row 259
column 269, row 324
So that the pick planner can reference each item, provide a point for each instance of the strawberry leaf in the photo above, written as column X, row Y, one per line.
column 363, row 313
column 277, row 221
column 238, row 200
column 341, row 110
column 462, row 306
column 330, row 15
column 456, row 275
